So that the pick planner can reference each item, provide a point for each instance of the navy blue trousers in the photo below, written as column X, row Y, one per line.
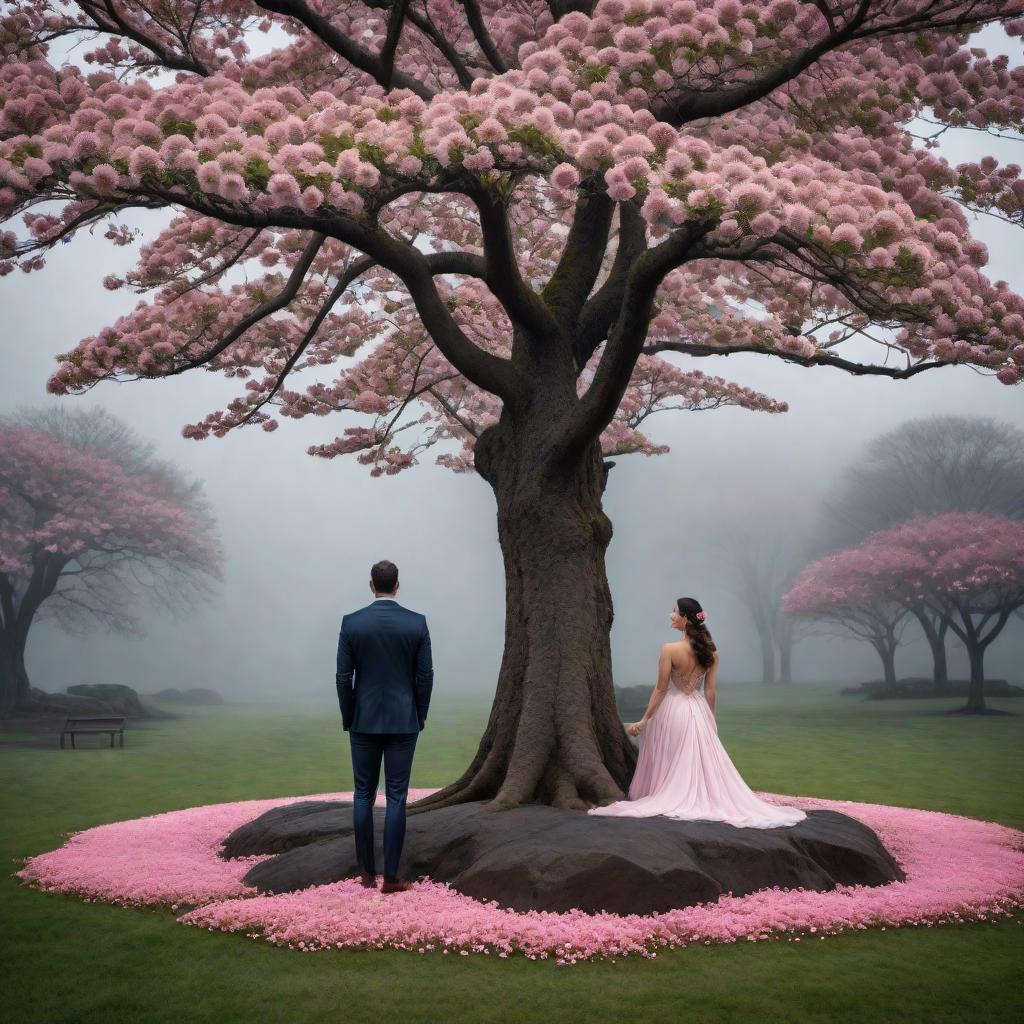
column 396, row 750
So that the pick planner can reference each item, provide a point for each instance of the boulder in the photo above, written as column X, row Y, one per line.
column 118, row 699
column 199, row 695
column 632, row 701
column 169, row 696
column 95, row 700
column 920, row 686
column 195, row 695
column 545, row 858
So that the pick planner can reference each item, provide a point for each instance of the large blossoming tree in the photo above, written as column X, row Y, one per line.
column 860, row 591
column 506, row 214
column 964, row 568
column 91, row 525
column 924, row 467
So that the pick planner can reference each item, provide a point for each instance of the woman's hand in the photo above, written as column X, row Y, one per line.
column 635, row 728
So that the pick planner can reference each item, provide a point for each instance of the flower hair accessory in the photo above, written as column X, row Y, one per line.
column 701, row 616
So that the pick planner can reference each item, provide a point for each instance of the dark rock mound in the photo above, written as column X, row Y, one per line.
column 96, row 699
column 201, row 695
column 171, row 695
column 121, row 700
column 542, row 858
column 631, row 701
column 920, row 686
column 196, row 695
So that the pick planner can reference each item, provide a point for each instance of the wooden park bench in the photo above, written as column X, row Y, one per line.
column 93, row 725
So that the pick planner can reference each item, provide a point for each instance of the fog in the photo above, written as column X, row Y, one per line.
column 301, row 533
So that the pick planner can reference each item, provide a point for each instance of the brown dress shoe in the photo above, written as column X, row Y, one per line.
column 398, row 884
column 368, row 880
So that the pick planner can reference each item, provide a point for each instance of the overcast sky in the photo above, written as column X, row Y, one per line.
column 301, row 533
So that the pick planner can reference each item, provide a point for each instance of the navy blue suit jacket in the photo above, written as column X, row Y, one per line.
column 387, row 648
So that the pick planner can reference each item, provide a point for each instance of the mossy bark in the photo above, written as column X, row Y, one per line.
column 554, row 735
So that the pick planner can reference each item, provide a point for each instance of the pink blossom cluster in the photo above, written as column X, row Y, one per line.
column 957, row 869
column 845, row 582
column 972, row 560
column 402, row 363
column 966, row 557
column 59, row 502
column 255, row 150
column 822, row 216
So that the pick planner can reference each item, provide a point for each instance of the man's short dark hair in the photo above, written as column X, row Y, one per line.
column 385, row 577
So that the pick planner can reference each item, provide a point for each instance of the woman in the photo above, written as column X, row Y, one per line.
column 683, row 771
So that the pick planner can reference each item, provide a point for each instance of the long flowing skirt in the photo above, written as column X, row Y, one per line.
column 683, row 771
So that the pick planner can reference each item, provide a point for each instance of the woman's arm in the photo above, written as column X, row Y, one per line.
column 660, row 689
column 709, row 684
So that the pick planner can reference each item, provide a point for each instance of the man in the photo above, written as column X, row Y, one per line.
column 387, row 648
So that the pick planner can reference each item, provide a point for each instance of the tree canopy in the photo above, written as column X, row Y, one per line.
column 445, row 187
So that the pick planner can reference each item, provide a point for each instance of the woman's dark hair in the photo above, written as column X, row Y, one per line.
column 385, row 577
column 700, row 639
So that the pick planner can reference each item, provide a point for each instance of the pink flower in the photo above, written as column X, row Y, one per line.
column 171, row 858
column 565, row 177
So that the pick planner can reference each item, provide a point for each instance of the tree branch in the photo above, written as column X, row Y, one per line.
column 683, row 105
column 427, row 27
column 118, row 26
column 387, row 53
column 358, row 56
column 625, row 342
column 580, row 262
column 820, row 358
column 441, row 263
column 263, row 310
column 414, row 268
column 523, row 305
column 482, row 36
column 601, row 309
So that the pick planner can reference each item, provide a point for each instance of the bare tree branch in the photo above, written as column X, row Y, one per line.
column 482, row 36
column 387, row 53
column 820, row 358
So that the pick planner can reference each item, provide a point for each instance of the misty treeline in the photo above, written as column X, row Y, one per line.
column 927, row 467
column 92, row 525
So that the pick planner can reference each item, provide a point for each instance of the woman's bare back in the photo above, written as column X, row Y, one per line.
column 686, row 670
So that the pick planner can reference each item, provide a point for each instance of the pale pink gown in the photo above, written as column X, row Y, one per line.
column 683, row 771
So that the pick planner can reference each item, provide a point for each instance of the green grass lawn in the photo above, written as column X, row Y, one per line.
column 65, row 960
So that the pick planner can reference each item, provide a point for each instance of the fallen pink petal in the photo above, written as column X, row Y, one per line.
column 958, row 869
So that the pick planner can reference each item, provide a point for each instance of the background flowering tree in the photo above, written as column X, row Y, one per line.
column 90, row 523
column 510, row 211
column 967, row 568
column 923, row 467
column 860, row 591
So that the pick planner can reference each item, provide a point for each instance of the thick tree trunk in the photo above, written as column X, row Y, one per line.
column 14, row 685
column 976, row 692
column 936, row 637
column 767, row 654
column 940, row 674
column 976, row 641
column 554, row 735
column 785, row 659
column 887, row 652
column 15, row 622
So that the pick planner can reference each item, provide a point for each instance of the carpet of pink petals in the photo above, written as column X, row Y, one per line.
column 957, row 869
